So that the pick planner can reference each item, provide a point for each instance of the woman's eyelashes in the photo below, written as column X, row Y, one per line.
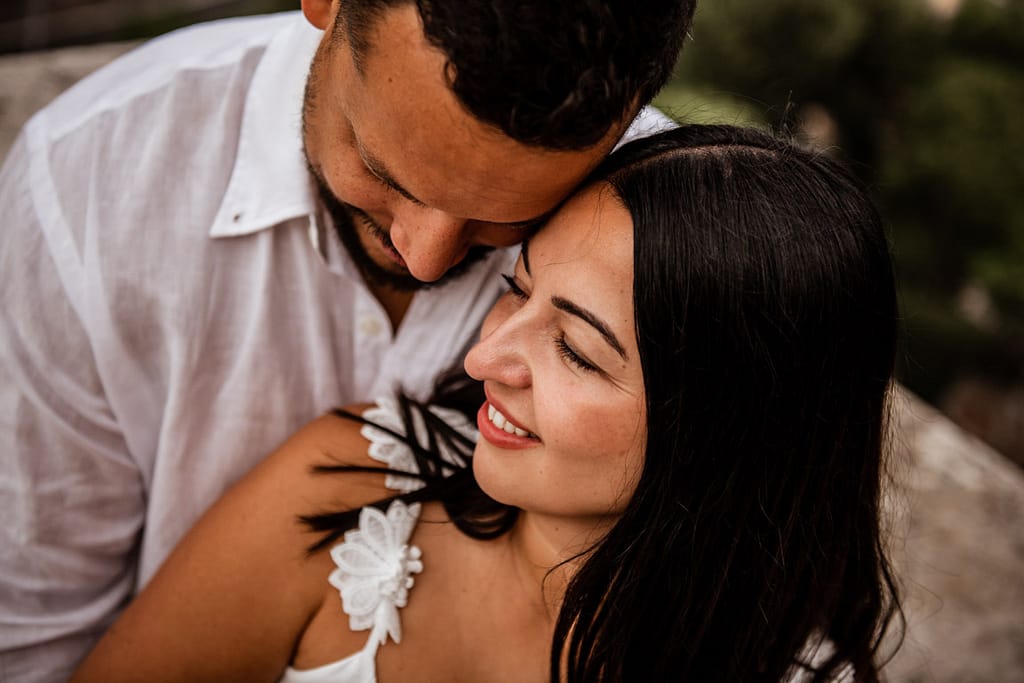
column 570, row 355
column 565, row 350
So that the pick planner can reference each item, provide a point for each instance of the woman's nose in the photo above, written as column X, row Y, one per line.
column 501, row 354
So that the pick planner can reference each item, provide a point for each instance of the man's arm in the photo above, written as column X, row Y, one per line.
column 71, row 497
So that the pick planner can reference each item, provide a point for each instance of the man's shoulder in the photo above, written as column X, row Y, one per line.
column 207, row 48
column 648, row 122
column 141, row 157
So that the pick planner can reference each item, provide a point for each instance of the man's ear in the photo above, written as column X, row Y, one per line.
column 320, row 13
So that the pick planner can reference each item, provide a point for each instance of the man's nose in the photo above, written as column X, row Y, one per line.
column 429, row 241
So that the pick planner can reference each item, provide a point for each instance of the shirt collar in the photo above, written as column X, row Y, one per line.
column 270, row 182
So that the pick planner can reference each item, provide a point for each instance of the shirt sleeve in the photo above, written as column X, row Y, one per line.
column 71, row 496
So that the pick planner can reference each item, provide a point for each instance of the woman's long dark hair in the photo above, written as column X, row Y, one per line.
column 766, row 323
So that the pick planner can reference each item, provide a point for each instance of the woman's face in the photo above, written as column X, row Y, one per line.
column 563, row 427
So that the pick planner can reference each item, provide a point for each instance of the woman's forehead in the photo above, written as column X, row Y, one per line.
column 591, row 225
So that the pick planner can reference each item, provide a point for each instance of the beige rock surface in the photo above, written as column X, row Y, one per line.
column 958, row 531
column 958, row 547
column 28, row 81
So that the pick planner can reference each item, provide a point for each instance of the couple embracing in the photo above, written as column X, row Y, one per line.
column 657, row 441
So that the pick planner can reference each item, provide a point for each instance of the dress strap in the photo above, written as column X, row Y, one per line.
column 375, row 564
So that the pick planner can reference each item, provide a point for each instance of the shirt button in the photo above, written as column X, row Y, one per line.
column 370, row 326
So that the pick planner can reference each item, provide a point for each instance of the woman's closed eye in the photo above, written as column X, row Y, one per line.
column 562, row 346
column 566, row 351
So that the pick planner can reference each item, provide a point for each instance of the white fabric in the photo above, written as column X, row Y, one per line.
column 397, row 455
column 376, row 562
column 375, row 568
column 165, row 320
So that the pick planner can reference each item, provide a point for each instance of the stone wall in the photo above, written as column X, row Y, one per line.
column 957, row 506
column 42, row 24
column 30, row 80
column 958, row 546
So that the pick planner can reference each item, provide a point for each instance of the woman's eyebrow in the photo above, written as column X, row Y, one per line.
column 583, row 314
column 589, row 318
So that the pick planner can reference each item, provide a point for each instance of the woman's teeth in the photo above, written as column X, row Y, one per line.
column 501, row 422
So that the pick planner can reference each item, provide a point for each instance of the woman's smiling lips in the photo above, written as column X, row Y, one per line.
column 496, row 428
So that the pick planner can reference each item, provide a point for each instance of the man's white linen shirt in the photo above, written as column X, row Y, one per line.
column 167, row 321
column 174, row 305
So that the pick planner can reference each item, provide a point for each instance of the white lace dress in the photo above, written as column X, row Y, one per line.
column 375, row 562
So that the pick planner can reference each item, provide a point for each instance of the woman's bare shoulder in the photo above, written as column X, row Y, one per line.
column 247, row 555
column 331, row 440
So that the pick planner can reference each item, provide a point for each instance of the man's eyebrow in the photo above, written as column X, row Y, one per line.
column 588, row 317
column 525, row 251
column 378, row 169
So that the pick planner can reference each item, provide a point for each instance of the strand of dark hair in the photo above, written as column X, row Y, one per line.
column 470, row 509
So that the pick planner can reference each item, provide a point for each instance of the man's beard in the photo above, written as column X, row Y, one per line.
column 344, row 217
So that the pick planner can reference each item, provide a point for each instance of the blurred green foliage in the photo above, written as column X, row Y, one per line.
column 928, row 107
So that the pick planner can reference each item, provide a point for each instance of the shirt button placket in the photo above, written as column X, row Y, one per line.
column 372, row 343
column 370, row 326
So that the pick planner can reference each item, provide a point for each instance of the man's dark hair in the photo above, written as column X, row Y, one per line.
column 550, row 73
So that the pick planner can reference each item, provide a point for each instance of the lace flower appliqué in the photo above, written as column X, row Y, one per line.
column 375, row 567
column 396, row 454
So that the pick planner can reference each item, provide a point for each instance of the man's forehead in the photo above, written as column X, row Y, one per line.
column 442, row 156
column 470, row 180
column 407, row 119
